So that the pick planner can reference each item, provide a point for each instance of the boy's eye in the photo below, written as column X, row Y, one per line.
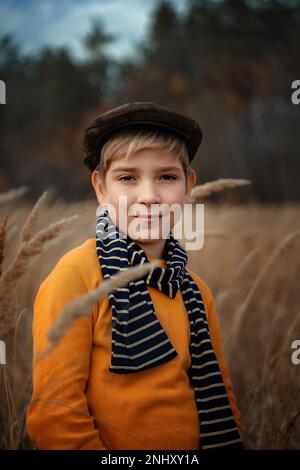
column 169, row 176
column 127, row 176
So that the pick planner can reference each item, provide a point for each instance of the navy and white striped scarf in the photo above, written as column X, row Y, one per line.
column 139, row 341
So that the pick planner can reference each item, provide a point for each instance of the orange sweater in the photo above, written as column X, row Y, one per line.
column 78, row 404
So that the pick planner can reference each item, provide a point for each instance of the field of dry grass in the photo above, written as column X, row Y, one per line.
column 250, row 260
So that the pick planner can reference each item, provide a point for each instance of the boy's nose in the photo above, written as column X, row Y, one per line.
column 148, row 194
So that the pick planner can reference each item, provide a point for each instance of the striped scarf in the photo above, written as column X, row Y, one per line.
column 139, row 341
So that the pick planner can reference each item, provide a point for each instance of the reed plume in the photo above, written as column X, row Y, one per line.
column 12, row 194
column 81, row 306
column 26, row 232
column 203, row 190
column 27, row 250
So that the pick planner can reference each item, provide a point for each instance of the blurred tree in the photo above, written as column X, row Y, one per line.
column 48, row 95
column 98, row 67
column 228, row 63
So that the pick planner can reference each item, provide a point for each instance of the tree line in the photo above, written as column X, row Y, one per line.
column 229, row 64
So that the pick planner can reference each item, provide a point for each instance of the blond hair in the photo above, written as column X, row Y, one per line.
column 126, row 142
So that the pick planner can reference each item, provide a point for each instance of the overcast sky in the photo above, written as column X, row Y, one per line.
column 35, row 23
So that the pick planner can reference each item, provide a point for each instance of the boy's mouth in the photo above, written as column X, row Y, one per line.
column 148, row 216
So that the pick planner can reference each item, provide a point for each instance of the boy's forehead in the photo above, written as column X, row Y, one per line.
column 158, row 159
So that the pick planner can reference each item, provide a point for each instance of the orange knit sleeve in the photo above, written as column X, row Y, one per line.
column 58, row 416
column 214, row 328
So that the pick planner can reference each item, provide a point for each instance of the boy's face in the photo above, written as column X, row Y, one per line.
column 148, row 179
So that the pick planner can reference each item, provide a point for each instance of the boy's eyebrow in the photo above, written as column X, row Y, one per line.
column 132, row 168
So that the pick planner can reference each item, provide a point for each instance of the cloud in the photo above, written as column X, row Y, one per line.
column 36, row 23
column 126, row 24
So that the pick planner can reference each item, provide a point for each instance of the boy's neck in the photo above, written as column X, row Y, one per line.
column 155, row 250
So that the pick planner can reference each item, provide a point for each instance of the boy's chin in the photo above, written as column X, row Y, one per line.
column 147, row 241
column 148, row 236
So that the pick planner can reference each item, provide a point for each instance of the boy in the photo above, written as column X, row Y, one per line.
column 146, row 370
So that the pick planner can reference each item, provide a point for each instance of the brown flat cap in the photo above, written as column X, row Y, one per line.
column 135, row 114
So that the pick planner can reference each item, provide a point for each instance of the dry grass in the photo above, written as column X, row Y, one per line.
column 250, row 259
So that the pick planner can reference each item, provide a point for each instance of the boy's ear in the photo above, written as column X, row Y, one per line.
column 190, row 184
column 99, row 186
